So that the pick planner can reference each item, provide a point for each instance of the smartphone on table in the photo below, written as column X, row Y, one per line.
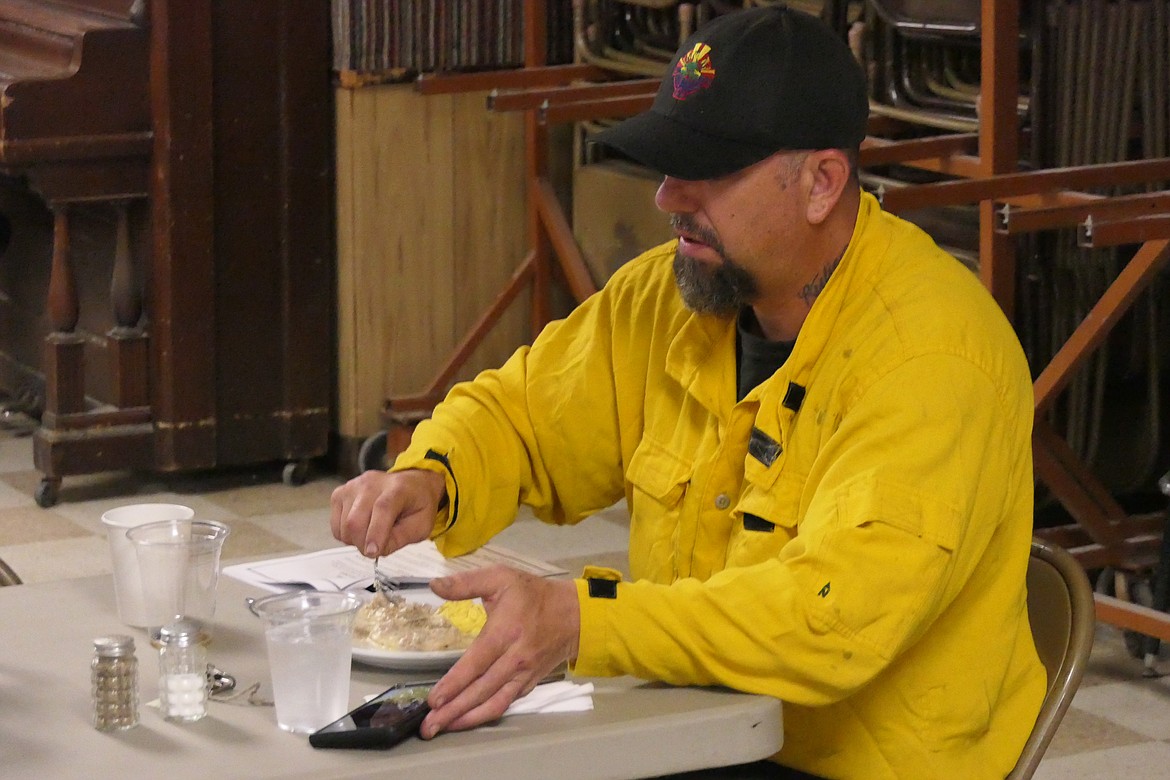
column 385, row 720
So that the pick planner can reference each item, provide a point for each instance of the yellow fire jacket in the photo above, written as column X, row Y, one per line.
column 851, row 538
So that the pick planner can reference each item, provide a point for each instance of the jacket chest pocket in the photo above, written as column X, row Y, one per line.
column 764, row 520
column 658, row 478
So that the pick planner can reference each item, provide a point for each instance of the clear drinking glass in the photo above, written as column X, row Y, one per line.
column 127, row 580
column 178, row 561
column 308, row 634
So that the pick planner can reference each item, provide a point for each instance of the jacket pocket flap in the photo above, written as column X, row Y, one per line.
column 778, row 502
column 659, row 472
column 908, row 509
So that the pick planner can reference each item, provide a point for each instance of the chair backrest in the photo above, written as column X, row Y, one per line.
column 934, row 18
column 1062, row 613
column 7, row 575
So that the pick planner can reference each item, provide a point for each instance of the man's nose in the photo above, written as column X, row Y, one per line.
column 676, row 196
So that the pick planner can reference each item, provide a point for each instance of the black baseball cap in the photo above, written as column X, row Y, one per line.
column 747, row 85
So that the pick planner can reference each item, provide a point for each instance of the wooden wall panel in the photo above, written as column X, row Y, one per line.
column 346, row 106
column 430, row 226
column 415, row 267
column 489, row 237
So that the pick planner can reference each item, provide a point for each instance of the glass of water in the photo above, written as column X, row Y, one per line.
column 309, row 641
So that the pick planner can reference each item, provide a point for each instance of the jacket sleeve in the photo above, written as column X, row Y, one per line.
column 542, row 430
column 906, row 493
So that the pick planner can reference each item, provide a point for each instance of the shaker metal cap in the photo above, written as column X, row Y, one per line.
column 114, row 646
column 182, row 633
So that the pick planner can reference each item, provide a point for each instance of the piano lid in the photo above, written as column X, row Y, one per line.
column 74, row 80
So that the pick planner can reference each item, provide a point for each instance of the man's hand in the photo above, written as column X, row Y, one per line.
column 378, row 512
column 532, row 626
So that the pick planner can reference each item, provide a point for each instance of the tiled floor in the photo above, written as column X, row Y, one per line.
column 1118, row 726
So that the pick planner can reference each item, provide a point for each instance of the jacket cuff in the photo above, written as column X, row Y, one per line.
column 598, row 590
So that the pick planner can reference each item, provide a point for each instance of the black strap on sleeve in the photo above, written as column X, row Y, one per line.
column 600, row 588
column 441, row 458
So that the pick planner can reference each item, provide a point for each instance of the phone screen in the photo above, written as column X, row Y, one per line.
column 382, row 722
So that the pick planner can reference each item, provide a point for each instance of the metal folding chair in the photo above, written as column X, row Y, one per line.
column 7, row 575
column 1061, row 611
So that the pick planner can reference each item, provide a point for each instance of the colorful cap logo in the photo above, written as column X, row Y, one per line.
column 693, row 72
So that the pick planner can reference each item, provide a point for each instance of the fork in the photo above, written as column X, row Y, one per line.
column 387, row 585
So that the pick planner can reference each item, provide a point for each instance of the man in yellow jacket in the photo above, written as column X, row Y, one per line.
column 820, row 421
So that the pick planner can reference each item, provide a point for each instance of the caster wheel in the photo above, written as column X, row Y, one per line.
column 295, row 473
column 372, row 455
column 1133, row 589
column 46, row 492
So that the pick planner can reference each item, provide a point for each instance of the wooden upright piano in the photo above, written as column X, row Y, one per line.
column 166, row 232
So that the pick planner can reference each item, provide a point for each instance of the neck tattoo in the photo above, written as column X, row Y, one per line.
column 810, row 291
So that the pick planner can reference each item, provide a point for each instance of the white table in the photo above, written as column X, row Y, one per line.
column 636, row 729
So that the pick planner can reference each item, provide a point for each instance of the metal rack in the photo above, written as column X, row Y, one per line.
column 1011, row 202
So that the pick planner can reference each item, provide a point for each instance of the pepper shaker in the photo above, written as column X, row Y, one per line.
column 182, row 671
column 113, row 676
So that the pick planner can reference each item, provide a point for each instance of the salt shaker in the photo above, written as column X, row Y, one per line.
column 113, row 676
column 182, row 671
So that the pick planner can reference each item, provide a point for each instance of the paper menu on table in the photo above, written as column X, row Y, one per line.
column 339, row 568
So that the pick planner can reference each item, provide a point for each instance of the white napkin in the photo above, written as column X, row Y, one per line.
column 561, row 696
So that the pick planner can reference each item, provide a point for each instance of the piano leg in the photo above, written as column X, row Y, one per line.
column 64, row 360
column 74, row 438
column 64, row 350
column 128, row 344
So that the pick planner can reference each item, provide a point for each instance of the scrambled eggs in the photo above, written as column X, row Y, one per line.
column 467, row 616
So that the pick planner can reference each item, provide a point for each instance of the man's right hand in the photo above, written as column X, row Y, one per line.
column 379, row 512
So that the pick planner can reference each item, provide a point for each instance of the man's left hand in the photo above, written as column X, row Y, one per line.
column 532, row 627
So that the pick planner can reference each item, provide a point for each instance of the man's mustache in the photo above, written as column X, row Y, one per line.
column 684, row 223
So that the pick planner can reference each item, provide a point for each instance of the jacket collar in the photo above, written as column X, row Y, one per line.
column 701, row 358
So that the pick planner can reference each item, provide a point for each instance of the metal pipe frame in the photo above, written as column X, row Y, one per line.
column 586, row 110
column 997, row 187
column 528, row 99
column 1099, row 208
column 1137, row 275
column 1115, row 232
column 515, row 78
column 879, row 151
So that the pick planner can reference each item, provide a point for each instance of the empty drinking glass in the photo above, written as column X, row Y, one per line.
column 178, row 561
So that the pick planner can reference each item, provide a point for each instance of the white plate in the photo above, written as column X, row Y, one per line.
column 409, row 659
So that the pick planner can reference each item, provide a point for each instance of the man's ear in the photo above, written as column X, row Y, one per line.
column 830, row 171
